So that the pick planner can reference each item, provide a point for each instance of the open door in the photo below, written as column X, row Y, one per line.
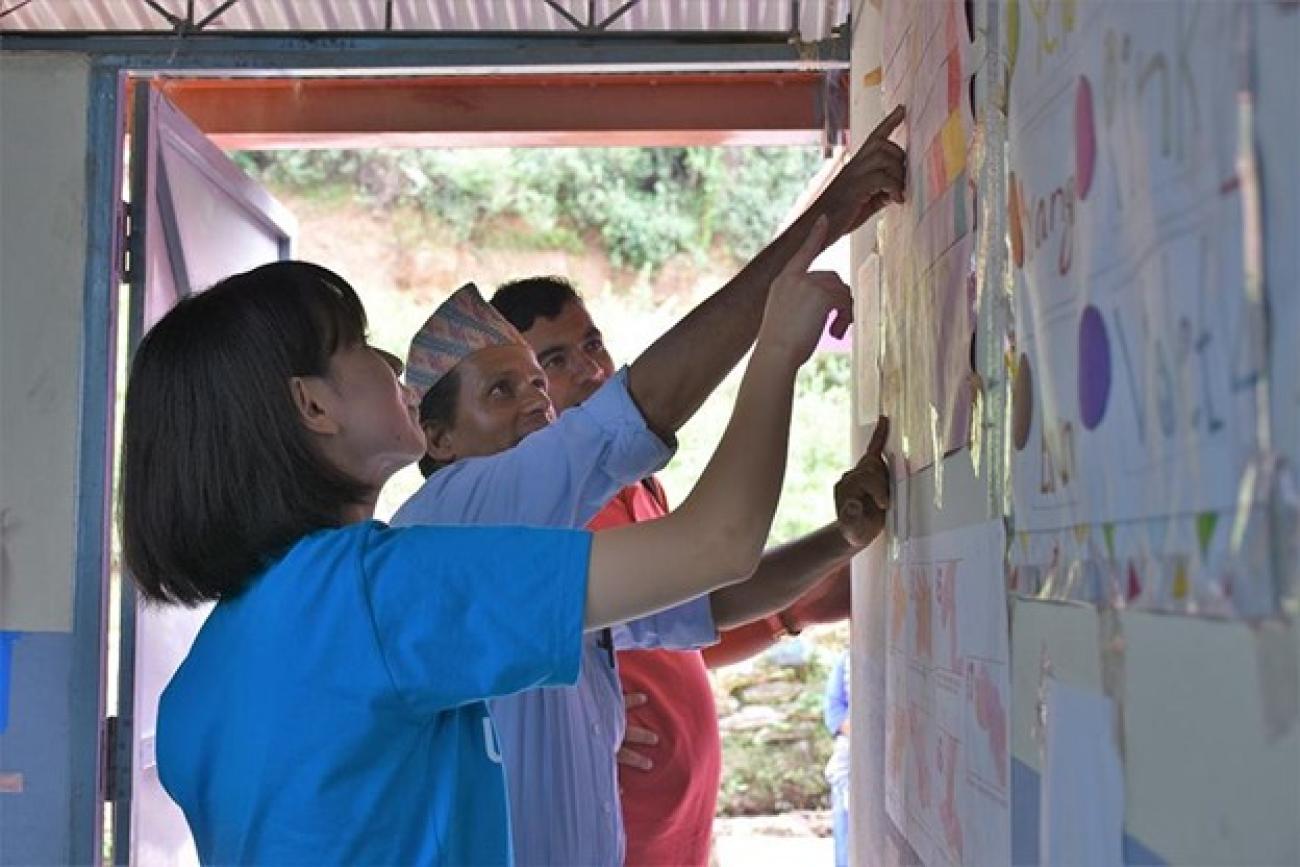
column 196, row 219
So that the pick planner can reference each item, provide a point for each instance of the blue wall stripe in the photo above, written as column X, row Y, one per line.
column 1026, row 789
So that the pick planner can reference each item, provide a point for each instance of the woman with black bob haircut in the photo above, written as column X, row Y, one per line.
column 219, row 474
column 331, row 710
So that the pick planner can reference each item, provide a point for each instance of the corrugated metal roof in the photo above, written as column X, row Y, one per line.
column 816, row 18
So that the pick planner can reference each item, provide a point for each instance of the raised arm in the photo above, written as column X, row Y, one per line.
column 787, row 572
column 716, row 536
column 827, row 602
column 673, row 377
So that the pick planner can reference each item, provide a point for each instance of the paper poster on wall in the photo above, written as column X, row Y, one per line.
column 1187, row 564
column 947, row 697
column 866, row 340
column 927, row 243
column 1133, row 381
column 1137, row 352
column 1081, row 811
column 1277, row 129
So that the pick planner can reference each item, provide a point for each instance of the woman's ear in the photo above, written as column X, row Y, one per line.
column 438, row 442
column 314, row 400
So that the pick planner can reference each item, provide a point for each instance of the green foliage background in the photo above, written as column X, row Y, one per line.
column 645, row 205
column 639, row 207
column 780, row 767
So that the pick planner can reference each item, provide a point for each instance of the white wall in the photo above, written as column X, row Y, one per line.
column 43, row 111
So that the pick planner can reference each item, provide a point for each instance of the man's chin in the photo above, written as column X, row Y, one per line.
column 584, row 398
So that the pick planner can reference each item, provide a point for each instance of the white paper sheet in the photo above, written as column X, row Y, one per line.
column 947, row 765
column 1135, row 368
column 1082, row 797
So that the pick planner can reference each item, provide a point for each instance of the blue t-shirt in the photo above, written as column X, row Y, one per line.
column 333, row 713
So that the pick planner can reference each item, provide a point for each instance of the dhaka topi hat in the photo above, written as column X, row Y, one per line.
column 461, row 326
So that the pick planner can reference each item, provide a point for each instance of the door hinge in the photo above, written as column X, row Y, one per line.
column 110, row 755
column 124, row 238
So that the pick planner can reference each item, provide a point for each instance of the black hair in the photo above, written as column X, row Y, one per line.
column 522, row 301
column 219, row 475
column 439, row 405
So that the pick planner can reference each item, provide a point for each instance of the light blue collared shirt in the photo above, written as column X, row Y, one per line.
column 558, row 744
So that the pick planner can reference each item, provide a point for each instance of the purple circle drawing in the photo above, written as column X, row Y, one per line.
column 1085, row 138
column 1094, row 368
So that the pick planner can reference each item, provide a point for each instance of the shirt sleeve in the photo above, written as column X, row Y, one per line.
column 466, row 613
column 559, row 476
column 682, row 627
column 837, row 699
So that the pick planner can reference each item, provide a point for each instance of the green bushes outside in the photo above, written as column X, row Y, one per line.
column 645, row 204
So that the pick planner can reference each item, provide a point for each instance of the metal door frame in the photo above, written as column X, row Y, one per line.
column 150, row 187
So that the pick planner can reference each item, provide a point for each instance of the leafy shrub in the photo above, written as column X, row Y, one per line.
column 647, row 205
column 779, row 767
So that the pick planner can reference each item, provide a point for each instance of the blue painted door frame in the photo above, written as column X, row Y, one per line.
column 52, row 741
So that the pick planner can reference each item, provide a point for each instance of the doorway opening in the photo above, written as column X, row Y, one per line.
column 644, row 231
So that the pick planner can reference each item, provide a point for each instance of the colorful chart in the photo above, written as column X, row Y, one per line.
column 1125, row 229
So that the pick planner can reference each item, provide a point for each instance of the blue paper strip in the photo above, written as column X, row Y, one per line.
column 7, row 641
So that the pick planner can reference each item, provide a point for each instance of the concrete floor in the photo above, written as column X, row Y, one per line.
column 790, row 840
column 761, row 851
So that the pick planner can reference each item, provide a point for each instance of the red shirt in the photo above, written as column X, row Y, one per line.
column 668, row 810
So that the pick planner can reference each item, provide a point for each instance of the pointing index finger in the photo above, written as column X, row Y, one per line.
column 878, row 438
column 811, row 247
column 889, row 124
